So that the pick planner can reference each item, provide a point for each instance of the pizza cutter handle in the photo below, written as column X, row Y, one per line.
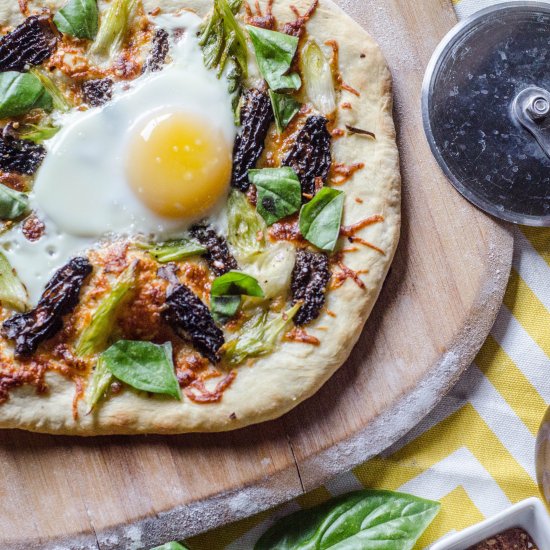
column 531, row 108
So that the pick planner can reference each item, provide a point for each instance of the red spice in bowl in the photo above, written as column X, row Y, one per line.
column 511, row 539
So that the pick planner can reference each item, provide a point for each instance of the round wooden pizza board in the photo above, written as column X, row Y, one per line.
column 436, row 308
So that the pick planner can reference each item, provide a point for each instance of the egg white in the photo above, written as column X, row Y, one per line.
column 80, row 191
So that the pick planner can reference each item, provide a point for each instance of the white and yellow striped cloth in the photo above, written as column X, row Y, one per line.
column 475, row 452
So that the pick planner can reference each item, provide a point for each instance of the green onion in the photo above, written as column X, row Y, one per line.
column 12, row 291
column 236, row 39
column 60, row 102
column 37, row 133
column 94, row 337
column 246, row 229
column 258, row 336
column 224, row 46
column 222, row 38
column 99, row 383
column 272, row 268
column 113, row 27
column 173, row 251
column 318, row 78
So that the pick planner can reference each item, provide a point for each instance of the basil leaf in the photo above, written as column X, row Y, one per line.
column 99, row 383
column 274, row 54
column 235, row 283
column 94, row 337
column 12, row 291
column 285, row 109
column 171, row 546
column 226, row 292
column 279, row 192
column 381, row 520
column 320, row 218
column 79, row 18
column 12, row 203
column 21, row 92
column 172, row 251
column 144, row 366
column 224, row 307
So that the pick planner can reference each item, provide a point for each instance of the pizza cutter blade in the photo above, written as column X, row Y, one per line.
column 486, row 110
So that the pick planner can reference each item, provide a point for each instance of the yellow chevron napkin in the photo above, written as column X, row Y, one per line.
column 475, row 452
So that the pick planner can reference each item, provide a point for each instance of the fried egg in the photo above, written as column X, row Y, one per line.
column 150, row 162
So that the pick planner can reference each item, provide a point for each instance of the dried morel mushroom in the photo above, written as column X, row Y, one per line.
column 28, row 44
column 191, row 320
column 310, row 155
column 218, row 256
column 310, row 278
column 20, row 155
column 61, row 295
column 256, row 116
column 159, row 50
column 97, row 92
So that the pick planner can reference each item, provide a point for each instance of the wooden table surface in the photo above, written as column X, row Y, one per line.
column 435, row 310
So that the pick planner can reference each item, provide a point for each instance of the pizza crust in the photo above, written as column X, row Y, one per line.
column 274, row 384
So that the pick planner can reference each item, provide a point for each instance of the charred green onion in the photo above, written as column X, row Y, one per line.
column 12, row 291
column 318, row 79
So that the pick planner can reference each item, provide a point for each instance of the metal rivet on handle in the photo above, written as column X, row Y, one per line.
column 539, row 108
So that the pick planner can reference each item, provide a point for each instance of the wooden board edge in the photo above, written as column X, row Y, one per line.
column 406, row 413
column 183, row 521
column 220, row 509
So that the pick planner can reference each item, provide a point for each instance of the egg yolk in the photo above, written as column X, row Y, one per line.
column 178, row 165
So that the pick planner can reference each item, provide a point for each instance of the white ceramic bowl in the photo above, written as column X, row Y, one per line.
column 530, row 514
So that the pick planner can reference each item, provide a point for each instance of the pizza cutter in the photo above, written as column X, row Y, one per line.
column 486, row 110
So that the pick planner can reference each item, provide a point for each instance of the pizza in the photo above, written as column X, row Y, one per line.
column 199, row 202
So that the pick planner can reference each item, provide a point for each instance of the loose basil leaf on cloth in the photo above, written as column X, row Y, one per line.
column 79, row 18
column 172, row 251
column 226, row 292
column 274, row 53
column 12, row 291
column 99, row 383
column 363, row 520
column 285, row 109
column 320, row 218
column 258, row 336
column 144, row 366
column 94, row 337
column 12, row 203
column 21, row 92
column 279, row 192
column 171, row 546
